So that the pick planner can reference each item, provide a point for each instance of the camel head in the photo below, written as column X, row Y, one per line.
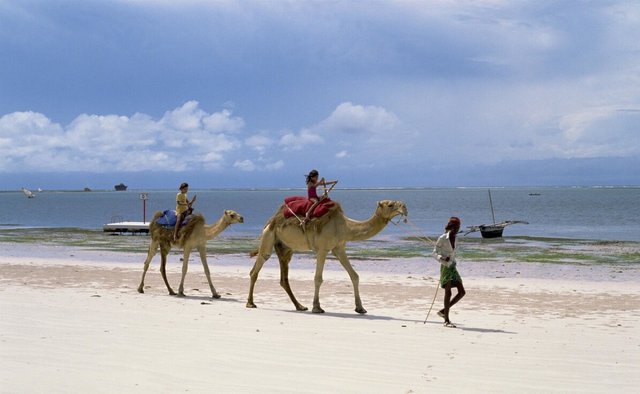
column 388, row 209
column 232, row 217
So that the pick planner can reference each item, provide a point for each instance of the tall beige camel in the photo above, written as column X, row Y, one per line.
column 194, row 234
column 329, row 233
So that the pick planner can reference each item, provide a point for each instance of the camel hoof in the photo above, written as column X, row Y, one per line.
column 181, row 295
column 140, row 290
column 361, row 310
column 317, row 310
column 301, row 308
column 251, row 305
column 172, row 292
column 216, row 296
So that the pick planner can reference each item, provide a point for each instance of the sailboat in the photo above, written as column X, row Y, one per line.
column 28, row 193
column 492, row 230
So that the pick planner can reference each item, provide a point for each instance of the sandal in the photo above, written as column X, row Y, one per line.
column 449, row 324
column 441, row 314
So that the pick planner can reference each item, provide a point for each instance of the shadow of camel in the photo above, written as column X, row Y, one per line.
column 475, row 329
column 204, row 298
column 486, row 330
column 353, row 315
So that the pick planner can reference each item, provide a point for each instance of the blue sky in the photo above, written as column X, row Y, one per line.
column 372, row 93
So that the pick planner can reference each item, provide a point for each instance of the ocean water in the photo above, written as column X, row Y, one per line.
column 611, row 214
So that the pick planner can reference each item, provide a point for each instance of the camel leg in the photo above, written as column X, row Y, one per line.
column 153, row 249
column 185, row 266
column 264, row 252
column 320, row 259
column 341, row 254
column 257, row 266
column 284, row 257
column 202, row 251
column 164, row 252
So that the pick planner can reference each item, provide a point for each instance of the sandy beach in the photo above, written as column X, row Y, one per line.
column 72, row 321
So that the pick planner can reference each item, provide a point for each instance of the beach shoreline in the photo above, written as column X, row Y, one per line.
column 74, row 319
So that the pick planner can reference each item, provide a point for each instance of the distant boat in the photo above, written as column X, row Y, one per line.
column 492, row 230
column 534, row 194
column 86, row 189
column 120, row 187
column 28, row 193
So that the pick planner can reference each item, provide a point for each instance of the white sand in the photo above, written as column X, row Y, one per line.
column 75, row 323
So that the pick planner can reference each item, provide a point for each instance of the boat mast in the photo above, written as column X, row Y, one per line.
column 491, row 203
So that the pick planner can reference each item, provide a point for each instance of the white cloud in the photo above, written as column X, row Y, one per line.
column 222, row 122
column 274, row 166
column 186, row 138
column 293, row 141
column 245, row 165
column 342, row 154
column 260, row 142
column 600, row 132
column 351, row 118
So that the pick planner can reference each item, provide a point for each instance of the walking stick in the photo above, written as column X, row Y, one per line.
column 432, row 302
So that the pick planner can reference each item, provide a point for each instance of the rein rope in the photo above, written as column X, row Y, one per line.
column 420, row 237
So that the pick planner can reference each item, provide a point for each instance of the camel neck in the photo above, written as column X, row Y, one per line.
column 362, row 230
column 215, row 229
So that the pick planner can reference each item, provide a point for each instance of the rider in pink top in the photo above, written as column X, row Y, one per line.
column 312, row 193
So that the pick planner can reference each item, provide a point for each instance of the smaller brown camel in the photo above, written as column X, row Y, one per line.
column 194, row 234
column 329, row 233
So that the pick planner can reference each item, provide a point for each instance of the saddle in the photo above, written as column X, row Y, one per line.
column 169, row 218
column 299, row 205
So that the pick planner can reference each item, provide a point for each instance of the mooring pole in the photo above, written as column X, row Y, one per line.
column 143, row 197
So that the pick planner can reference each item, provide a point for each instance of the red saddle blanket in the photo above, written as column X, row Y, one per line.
column 300, row 205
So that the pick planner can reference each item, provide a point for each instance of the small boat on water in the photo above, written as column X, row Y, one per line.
column 28, row 193
column 492, row 230
column 120, row 187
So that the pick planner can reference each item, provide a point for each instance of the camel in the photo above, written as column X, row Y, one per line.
column 194, row 234
column 328, row 233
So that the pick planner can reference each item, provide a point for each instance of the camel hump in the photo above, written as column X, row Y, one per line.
column 195, row 220
column 157, row 215
column 154, row 220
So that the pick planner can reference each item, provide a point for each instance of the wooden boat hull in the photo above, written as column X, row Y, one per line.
column 491, row 231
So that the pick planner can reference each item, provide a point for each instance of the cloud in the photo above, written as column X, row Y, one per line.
column 353, row 119
column 274, row 166
column 600, row 132
column 245, row 165
column 259, row 142
column 305, row 138
column 249, row 166
column 184, row 138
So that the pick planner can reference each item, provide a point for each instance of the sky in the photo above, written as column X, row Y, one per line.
column 226, row 94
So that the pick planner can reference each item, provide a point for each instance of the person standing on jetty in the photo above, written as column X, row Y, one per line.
column 445, row 252
column 182, row 206
column 312, row 192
